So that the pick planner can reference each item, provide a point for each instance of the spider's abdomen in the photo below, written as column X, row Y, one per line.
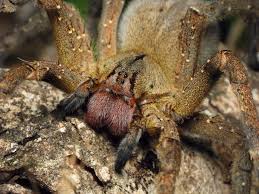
column 107, row 110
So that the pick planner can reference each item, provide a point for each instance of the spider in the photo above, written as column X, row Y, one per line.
column 154, row 67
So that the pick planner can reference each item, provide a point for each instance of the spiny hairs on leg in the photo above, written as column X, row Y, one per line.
column 14, row 77
column 168, row 148
column 107, row 44
column 37, row 70
column 74, row 52
column 72, row 40
column 226, row 143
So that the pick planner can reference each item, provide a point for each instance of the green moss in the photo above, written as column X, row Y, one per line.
column 82, row 5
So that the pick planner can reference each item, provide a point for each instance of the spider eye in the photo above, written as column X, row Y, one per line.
column 125, row 75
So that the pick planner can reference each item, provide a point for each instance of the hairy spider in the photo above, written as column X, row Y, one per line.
column 151, row 78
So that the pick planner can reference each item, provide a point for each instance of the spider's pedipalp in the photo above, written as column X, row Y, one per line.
column 70, row 104
column 127, row 145
column 76, row 100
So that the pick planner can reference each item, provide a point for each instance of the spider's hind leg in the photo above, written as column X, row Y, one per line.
column 228, row 145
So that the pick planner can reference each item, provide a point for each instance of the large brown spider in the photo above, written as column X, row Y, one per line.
column 151, row 78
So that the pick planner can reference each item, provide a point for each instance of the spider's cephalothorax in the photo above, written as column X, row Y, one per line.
column 162, row 67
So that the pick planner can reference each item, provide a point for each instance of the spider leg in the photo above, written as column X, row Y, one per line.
column 226, row 62
column 169, row 154
column 75, row 57
column 195, row 90
column 127, row 145
column 228, row 145
column 14, row 77
column 189, row 42
column 168, row 148
column 107, row 40
column 38, row 70
column 72, row 39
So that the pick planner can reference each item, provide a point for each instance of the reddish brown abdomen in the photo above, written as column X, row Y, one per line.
column 105, row 110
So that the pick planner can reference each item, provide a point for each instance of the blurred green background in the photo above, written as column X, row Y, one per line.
column 82, row 5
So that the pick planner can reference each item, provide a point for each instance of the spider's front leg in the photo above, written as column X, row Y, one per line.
column 169, row 154
column 167, row 147
column 199, row 86
column 107, row 39
column 76, row 100
column 71, row 37
column 38, row 70
column 75, row 57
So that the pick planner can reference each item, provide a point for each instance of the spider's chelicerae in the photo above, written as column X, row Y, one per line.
column 151, row 73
